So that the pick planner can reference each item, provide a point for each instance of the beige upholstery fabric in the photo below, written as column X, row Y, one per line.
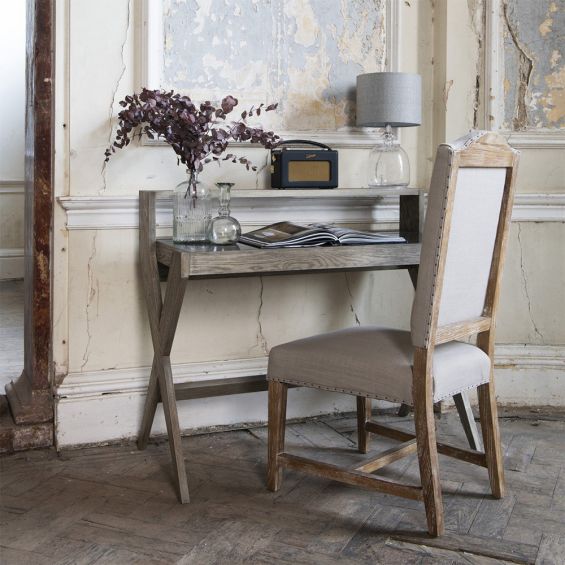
column 374, row 362
column 474, row 222
column 478, row 194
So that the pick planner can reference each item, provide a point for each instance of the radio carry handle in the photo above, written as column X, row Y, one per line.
column 302, row 142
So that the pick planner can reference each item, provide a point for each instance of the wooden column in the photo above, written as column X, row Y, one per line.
column 30, row 396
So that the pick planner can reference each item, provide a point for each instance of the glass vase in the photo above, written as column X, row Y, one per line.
column 191, row 210
column 224, row 229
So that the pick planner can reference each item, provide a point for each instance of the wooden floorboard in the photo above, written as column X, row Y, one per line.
column 117, row 505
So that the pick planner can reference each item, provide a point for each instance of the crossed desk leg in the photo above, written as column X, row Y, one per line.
column 163, row 322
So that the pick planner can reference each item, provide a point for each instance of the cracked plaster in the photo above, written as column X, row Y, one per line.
column 538, row 334
column 534, row 68
column 92, row 299
column 351, row 306
column 111, row 121
column 261, row 341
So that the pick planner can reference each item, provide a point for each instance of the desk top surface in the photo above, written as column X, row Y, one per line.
column 209, row 261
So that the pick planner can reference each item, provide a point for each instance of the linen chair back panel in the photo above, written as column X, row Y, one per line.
column 462, row 221
column 474, row 223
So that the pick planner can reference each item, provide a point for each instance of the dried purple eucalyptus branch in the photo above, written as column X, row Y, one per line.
column 197, row 134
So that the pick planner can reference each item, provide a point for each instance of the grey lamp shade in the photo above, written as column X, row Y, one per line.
column 389, row 98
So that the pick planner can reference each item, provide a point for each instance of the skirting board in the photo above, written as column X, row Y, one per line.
column 11, row 264
column 106, row 406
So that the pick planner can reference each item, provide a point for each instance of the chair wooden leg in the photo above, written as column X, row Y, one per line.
column 491, row 438
column 277, row 421
column 363, row 415
column 426, row 440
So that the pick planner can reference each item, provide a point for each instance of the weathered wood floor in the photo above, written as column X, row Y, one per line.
column 116, row 504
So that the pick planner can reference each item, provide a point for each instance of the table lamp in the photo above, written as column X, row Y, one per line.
column 389, row 100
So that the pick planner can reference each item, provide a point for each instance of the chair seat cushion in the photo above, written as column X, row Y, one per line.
column 375, row 362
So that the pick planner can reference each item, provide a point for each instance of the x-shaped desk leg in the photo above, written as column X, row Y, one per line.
column 163, row 322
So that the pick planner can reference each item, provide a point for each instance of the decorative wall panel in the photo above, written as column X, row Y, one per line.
column 305, row 54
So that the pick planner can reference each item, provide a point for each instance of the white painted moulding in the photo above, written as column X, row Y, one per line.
column 12, row 186
column 254, row 207
column 136, row 379
column 102, row 406
column 532, row 139
column 11, row 263
column 250, row 207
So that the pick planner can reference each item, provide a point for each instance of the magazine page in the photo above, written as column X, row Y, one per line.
column 287, row 234
column 348, row 236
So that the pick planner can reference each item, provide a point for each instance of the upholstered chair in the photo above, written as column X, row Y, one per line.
column 451, row 343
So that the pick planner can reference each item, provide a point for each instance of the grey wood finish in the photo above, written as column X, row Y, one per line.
column 114, row 504
column 186, row 262
column 163, row 318
column 200, row 261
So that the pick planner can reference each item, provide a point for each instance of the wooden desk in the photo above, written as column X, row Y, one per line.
column 184, row 262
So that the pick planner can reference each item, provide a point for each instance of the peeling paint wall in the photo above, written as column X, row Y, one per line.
column 100, row 317
column 531, row 304
column 534, row 64
column 305, row 54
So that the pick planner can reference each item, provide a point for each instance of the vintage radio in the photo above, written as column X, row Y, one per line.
column 303, row 168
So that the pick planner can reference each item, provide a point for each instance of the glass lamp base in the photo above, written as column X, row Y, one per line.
column 388, row 166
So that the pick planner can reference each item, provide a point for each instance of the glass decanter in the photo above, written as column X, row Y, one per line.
column 191, row 210
column 224, row 229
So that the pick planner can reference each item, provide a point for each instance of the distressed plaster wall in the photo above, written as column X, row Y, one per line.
column 100, row 319
column 534, row 64
column 305, row 54
column 102, row 275
column 531, row 307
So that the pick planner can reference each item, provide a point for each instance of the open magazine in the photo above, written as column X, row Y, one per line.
column 286, row 234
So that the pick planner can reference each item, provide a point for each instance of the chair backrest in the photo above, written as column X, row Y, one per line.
column 464, row 238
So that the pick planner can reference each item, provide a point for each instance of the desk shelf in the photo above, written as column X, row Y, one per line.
column 207, row 261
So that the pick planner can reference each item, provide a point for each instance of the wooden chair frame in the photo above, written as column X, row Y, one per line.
column 490, row 151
